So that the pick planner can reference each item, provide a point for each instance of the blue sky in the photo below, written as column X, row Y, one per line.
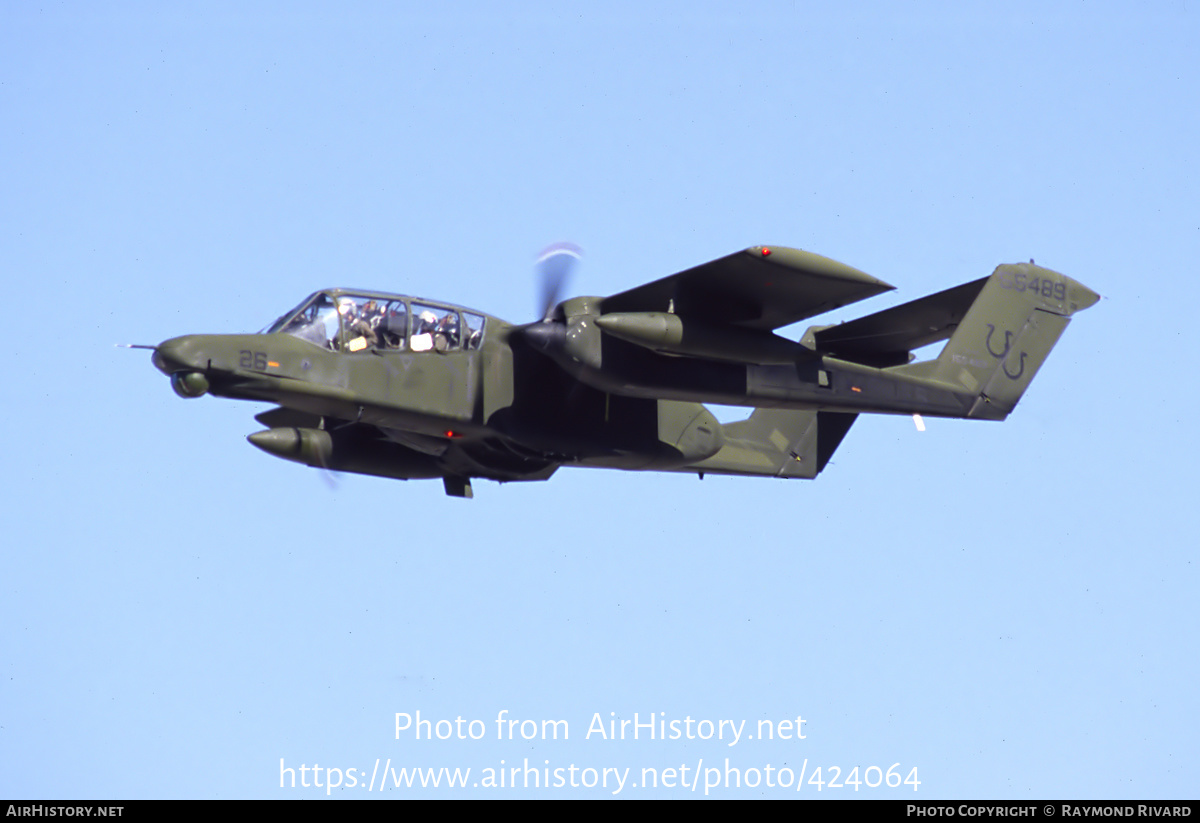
column 1009, row 608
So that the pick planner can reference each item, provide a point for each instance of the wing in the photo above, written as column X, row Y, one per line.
column 761, row 288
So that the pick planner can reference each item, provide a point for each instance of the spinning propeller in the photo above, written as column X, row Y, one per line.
column 554, row 267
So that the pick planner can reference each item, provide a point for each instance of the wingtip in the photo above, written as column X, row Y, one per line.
column 816, row 264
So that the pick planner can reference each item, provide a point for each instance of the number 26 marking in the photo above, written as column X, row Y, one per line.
column 256, row 360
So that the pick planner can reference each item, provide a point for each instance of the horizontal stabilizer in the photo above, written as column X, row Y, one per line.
column 886, row 337
column 778, row 443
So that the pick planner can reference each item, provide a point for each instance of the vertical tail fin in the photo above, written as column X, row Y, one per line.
column 778, row 443
column 1005, row 336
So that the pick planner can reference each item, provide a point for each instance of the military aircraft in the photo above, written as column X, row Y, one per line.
column 404, row 387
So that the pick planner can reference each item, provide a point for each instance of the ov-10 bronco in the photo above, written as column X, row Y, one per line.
column 404, row 387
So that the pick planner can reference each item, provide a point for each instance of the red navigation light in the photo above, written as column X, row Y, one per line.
column 766, row 252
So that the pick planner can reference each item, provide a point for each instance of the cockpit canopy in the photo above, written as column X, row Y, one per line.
column 339, row 321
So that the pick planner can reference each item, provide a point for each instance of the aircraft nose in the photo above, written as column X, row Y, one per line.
column 179, row 354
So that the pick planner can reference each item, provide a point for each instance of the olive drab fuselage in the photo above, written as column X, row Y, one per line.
column 404, row 387
column 424, row 391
